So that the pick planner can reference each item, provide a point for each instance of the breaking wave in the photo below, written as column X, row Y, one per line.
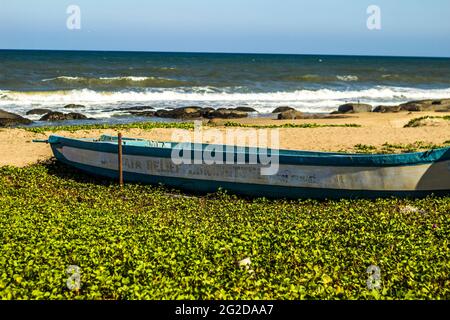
column 383, row 93
column 98, row 103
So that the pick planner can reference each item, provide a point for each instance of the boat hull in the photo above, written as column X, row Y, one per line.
column 309, row 179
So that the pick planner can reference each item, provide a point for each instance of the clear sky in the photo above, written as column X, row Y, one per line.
column 408, row 27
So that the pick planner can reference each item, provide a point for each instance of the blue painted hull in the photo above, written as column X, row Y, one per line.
column 257, row 189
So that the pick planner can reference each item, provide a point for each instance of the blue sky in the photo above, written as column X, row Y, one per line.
column 409, row 27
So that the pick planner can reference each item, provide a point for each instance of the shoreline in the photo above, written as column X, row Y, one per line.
column 374, row 130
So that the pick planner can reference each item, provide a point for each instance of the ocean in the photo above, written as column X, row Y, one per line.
column 106, row 82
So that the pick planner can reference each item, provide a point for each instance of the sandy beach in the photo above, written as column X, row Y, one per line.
column 375, row 129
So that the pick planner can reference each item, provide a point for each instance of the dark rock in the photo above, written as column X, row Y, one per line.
column 225, row 114
column 283, row 109
column 77, row 116
column 205, row 111
column 426, row 105
column 137, row 108
column 143, row 113
column 442, row 108
column 413, row 106
column 8, row 119
column 386, row 109
column 163, row 113
column 187, row 112
column 38, row 111
column 442, row 105
column 59, row 116
column 354, row 108
column 245, row 109
column 74, row 106
column 180, row 113
column 290, row 115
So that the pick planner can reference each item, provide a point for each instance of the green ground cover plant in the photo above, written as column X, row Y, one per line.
column 416, row 146
column 144, row 242
column 291, row 125
column 134, row 125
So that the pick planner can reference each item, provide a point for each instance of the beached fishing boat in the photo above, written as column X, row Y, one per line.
column 299, row 174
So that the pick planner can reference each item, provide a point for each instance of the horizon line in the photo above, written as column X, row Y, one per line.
column 236, row 53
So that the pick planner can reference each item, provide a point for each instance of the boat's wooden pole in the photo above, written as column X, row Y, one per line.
column 119, row 144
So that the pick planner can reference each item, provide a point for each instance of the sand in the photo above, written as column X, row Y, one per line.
column 17, row 149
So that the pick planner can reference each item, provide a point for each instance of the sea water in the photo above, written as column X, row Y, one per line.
column 108, row 82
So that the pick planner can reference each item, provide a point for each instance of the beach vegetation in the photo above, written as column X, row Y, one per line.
column 386, row 147
column 417, row 122
column 146, row 242
column 291, row 125
column 134, row 125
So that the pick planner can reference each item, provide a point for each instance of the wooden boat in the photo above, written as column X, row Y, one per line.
column 301, row 174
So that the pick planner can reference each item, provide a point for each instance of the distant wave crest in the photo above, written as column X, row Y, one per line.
column 347, row 78
column 315, row 78
column 124, row 81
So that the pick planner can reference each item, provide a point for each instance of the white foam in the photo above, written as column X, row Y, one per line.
column 129, row 78
column 305, row 100
column 347, row 78
column 209, row 94
column 62, row 78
